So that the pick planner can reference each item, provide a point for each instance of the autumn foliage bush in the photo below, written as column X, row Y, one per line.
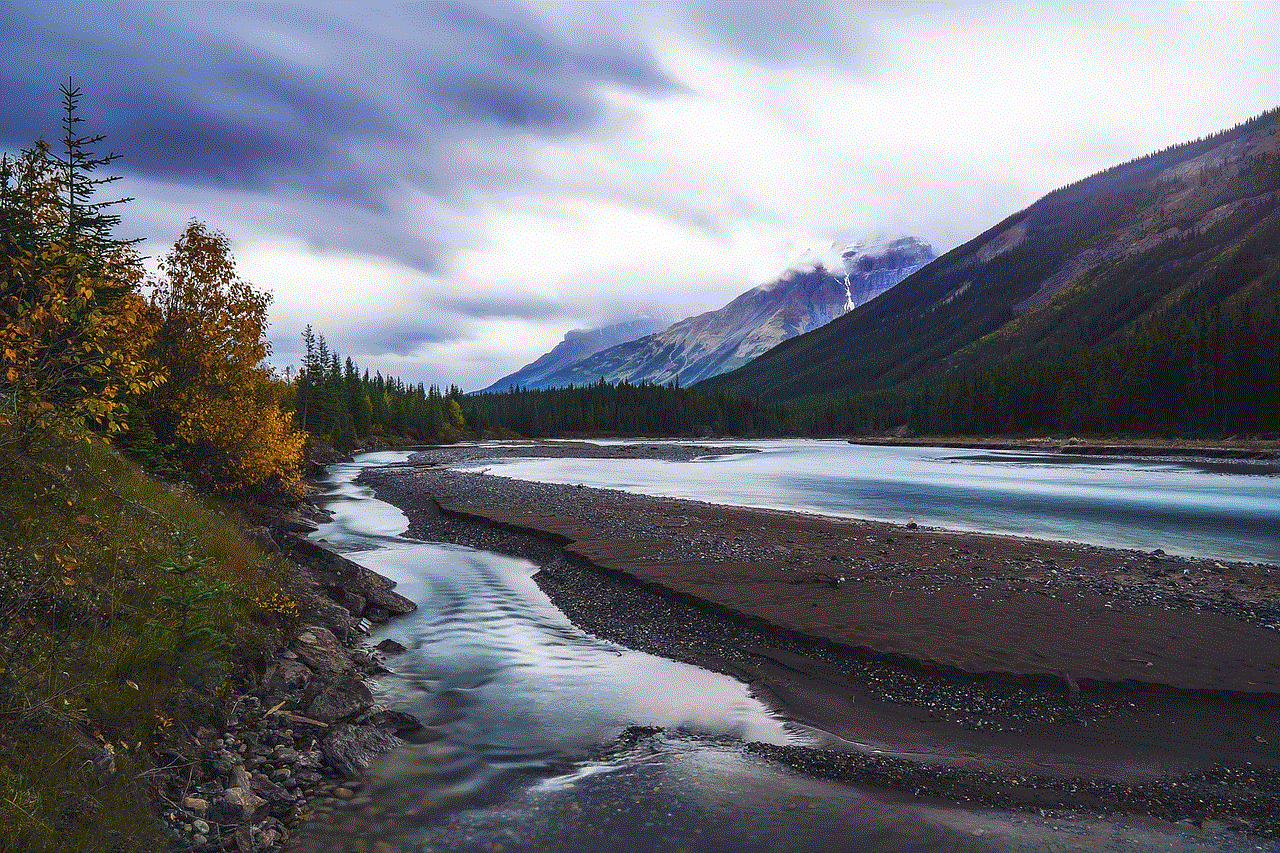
column 72, row 324
column 216, row 402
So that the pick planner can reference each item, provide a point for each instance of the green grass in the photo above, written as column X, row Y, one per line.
column 92, row 647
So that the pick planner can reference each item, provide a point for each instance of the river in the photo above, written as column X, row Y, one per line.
column 1200, row 508
column 523, row 702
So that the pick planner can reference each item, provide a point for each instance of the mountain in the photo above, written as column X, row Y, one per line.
column 1192, row 228
column 711, row 343
column 577, row 345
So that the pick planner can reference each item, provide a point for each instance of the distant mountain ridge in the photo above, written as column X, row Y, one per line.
column 577, row 345
column 716, row 341
column 1188, row 229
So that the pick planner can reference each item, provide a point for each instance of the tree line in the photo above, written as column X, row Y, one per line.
column 1212, row 373
column 334, row 401
column 621, row 409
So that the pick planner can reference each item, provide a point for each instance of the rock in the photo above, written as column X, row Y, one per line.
column 332, row 616
column 312, row 758
column 103, row 759
column 354, row 602
column 319, row 649
column 261, row 537
column 219, row 765
column 244, row 838
column 389, row 647
column 392, row 602
column 198, row 805
column 294, row 522
column 398, row 722
column 239, row 805
column 368, row 581
column 375, row 613
column 265, row 839
column 1073, row 687
column 285, row 675
column 349, row 749
column 340, row 699
column 278, row 798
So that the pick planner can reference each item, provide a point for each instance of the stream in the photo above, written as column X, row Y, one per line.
column 525, row 709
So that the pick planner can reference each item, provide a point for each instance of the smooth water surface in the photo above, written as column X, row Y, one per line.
column 518, row 701
column 1209, row 509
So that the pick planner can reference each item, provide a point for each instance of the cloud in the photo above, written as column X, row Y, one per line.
column 444, row 189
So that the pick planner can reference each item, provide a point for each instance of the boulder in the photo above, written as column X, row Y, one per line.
column 392, row 602
column 261, row 537
column 333, row 616
column 354, row 602
column 239, row 805
column 399, row 722
column 319, row 649
column 340, row 699
column 285, row 675
column 349, row 749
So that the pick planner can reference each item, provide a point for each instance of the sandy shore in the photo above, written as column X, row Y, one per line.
column 973, row 667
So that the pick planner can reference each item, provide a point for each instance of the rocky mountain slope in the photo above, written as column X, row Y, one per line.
column 756, row 321
column 577, row 345
column 1189, row 229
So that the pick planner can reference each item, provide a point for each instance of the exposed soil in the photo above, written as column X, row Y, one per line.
column 1003, row 670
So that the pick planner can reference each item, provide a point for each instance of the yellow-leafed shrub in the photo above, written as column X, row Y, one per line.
column 217, row 402
column 72, row 327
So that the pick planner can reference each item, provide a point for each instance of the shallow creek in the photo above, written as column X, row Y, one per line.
column 523, row 707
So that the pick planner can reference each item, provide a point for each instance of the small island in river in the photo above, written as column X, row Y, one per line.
column 968, row 667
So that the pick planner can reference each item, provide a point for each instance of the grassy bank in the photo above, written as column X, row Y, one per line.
column 126, row 606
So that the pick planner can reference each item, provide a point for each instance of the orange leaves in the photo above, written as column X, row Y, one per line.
column 69, row 335
column 209, row 345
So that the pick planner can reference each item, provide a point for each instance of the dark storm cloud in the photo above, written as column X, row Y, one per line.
column 260, row 98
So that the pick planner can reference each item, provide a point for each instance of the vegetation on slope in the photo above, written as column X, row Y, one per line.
column 125, row 606
column 125, row 603
column 1191, row 229
column 334, row 402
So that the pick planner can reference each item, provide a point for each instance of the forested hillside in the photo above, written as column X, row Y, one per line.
column 1161, row 275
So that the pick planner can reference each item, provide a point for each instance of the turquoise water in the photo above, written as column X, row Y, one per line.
column 1204, row 509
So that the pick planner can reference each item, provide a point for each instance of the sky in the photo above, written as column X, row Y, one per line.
column 442, row 190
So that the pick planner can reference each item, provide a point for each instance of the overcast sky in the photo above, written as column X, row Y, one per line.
column 442, row 190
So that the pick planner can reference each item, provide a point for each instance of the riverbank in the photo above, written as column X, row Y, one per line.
column 1263, row 451
column 302, row 726
column 970, row 667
